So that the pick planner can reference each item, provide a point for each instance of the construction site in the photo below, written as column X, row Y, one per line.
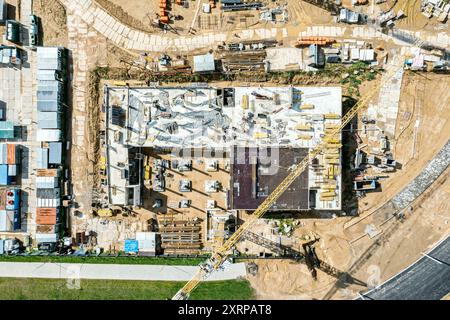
column 306, row 139
column 198, row 153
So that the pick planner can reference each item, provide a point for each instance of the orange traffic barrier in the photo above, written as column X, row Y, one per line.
column 164, row 19
column 314, row 40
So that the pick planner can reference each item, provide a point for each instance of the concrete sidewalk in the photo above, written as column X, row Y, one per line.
column 113, row 271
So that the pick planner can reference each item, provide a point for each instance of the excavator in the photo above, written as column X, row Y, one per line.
column 222, row 253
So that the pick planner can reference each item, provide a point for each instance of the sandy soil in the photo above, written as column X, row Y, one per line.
column 139, row 14
column 414, row 19
column 425, row 99
column 53, row 17
column 400, row 243
column 367, row 260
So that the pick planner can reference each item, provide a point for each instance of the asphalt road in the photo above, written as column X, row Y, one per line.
column 426, row 279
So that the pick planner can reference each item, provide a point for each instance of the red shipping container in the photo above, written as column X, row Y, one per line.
column 46, row 216
column 11, row 154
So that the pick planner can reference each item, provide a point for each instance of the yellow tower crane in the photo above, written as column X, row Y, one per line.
column 222, row 253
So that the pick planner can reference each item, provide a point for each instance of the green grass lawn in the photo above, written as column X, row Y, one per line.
column 103, row 260
column 56, row 289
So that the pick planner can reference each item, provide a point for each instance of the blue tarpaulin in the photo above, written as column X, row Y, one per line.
column 4, row 178
column 131, row 246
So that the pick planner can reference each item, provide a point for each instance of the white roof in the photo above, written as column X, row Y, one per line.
column 48, row 203
column 3, row 153
column 366, row 55
column 354, row 54
column 146, row 241
column 48, row 135
column 46, row 182
column 204, row 63
column 46, row 237
column 48, row 58
column 6, row 220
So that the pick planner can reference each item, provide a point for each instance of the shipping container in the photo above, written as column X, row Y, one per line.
column 6, row 221
column 50, row 58
column 12, row 170
column 48, row 135
column 47, row 75
column 46, row 216
column 17, row 224
column 6, row 130
column 45, row 237
column 49, row 105
column 42, row 158
column 50, row 95
column 4, row 178
column 13, row 31
column 48, row 173
column 55, row 153
column 41, row 228
column 49, row 120
column 3, row 153
column 48, row 203
column 12, row 199
column 48, row 193
column 11, row 154
column 47, row 182
column 7, row 153
column 3, row 11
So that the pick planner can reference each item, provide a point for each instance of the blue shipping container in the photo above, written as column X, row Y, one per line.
column 14, row 196
column 4, row 178
column 17, row 220
column 131, row 246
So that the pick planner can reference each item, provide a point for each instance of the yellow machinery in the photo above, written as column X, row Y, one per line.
column 102, row 163
column 304, row 137
column 307, row 106
column 332, row 116
column 260, row 135
column 245, row 102
column 222, row 253
column 303, row 127
column 104, row 213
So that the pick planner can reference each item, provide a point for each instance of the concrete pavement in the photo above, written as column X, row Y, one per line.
column 114, row 271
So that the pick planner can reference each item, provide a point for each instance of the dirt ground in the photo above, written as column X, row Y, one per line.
column 302, row 13
column 140, row 14
column 369, row 262
column 54, row 28
column 431, row 110
column 399, row 245
column 414, row 19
